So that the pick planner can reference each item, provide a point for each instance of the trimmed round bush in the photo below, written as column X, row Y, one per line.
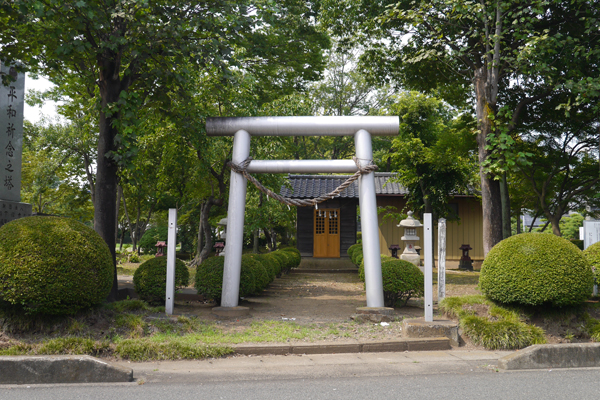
column 361, row 267
column 296, row 257
column 353, row 248
column 209, row 279
column 535, row 269
column 150, row 279
column 592, row 254
column 401, row 281
column 285, row 259
column 261, row 276
column 54, row 266
column 270, row 263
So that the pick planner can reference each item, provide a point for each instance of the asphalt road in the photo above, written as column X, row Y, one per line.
column 545, row 384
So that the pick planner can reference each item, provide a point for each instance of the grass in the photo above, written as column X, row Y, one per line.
column 501, row 329
column 130, row 330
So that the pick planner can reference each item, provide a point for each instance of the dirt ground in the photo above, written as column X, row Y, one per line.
column 322, row 300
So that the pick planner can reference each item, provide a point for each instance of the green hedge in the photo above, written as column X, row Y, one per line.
column 286, row 260
column 352, row 249
column 535, row 269
column 361, row 267
column 258, row 269
column 209, row 278
column 296, row 257
column 402, row 280
column 51, row 265
column 150, row 279
column 592, row 254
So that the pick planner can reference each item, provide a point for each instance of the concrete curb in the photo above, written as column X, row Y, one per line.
column 60, row 369
column 545, row 356
column 429, row 344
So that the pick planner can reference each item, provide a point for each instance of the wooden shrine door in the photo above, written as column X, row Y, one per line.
column 327, row 233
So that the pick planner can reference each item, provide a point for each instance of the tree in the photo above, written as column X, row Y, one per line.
column 433, row 153
column 138, row 52
column 561, row 169
column 474, row 51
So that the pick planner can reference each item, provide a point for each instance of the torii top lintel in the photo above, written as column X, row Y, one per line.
column 303, row 126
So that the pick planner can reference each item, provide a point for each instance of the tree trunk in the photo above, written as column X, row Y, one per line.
column 268, row 237
column 196, row 261
column 490, row 188
column 106, row 173
column 255, row 244
column 505, row 198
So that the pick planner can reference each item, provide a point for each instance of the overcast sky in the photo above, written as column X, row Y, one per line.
column 34, row 114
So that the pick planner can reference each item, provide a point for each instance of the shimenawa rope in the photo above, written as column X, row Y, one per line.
column 241, row 168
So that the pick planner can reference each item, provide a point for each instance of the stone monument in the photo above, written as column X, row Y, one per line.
column 12, row 99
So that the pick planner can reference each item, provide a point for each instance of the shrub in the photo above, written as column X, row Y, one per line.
column 261, row 276
column 356, row 256
column 209, row 279
column 133, row 258
column 361, row 267
column 270, row 263
column 296, row 257
column 51, row 265
column 352, row 249
column 285, row 259
column 151, row 236
column 401, row 281
column 535, row 269
column 150, row 279
column 592, row 254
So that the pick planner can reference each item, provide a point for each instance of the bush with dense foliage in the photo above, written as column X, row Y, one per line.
column 270, row 263
column 209, row 279
column 286, row 260
column 155, row 234
column 259, row 270
column 535, row 269
column 150, row 279
column 402, row 280
column 356, row 253
column 361, row 266
column 51, row 265
column 296, row 257
column 592, row 254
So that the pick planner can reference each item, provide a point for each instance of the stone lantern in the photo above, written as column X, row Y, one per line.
column 223, row 235
column 410, row 237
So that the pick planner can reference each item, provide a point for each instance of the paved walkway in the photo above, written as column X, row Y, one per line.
column 240, row 368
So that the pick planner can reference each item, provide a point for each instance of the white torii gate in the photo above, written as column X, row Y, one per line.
column 243, row 128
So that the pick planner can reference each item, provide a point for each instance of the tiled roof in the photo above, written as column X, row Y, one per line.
column 311, row 186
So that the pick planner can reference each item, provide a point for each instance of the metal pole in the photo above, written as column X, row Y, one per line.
column 171, row 244
column 428, row 232
column 301, row 166
column 235, row 223
column 303, row 126
column 369, row 222
column 441, row 259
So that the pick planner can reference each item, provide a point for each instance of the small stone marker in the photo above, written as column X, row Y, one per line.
column 441, row 259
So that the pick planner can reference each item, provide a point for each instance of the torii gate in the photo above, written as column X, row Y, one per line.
column 243, row 128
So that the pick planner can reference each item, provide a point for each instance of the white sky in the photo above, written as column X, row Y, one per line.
column 34, row 114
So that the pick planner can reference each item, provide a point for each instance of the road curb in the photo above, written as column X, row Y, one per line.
column 429, row 344
column 546, row 356
column 60, row 369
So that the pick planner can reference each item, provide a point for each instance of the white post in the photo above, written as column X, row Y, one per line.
column 441, row 259
column 235, row 223
column 369, row 223
column 171, row 244
column 428, row 244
